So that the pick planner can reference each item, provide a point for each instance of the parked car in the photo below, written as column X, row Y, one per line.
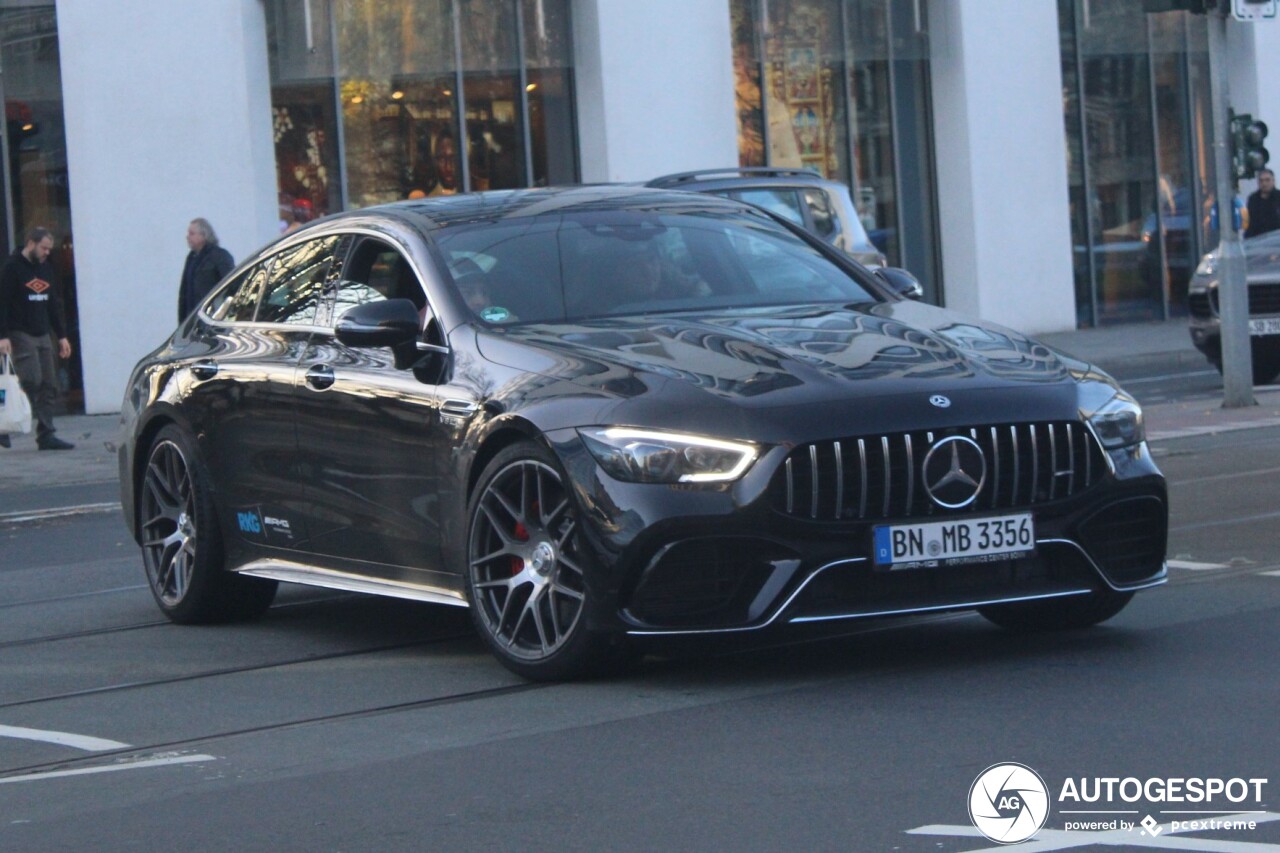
column 1262, row 265
column 820, row 206
column 601, row 414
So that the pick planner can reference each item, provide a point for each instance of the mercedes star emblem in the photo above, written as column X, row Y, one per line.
column 940, row 400
column 954, row 472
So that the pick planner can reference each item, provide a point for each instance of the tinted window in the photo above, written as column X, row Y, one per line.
column 785, row 203
column 603, row 263
column 296, row 285
column 239, row 300
column 376, row 271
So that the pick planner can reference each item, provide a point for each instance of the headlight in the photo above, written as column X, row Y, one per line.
column 1119, row 423
column 648, row 456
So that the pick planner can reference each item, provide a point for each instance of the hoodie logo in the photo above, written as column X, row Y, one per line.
column 37, row 285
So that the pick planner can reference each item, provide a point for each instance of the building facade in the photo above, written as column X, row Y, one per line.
column 1041, row 163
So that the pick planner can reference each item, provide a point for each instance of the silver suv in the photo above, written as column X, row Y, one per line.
column 818, row 205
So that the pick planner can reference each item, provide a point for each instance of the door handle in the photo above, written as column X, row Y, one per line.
column 320, row 377
column 206, row 368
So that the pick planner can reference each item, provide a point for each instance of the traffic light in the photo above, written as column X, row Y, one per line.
column 1247, row 154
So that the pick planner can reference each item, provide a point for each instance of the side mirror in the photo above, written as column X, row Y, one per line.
column 386, row 323
column 900, row 282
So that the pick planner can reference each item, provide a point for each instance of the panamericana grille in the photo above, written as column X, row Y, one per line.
column 877, row 477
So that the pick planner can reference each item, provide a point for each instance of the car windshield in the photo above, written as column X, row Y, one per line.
column 609, row 263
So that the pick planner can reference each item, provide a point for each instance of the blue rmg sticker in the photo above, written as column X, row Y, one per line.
column 2, row 392
column 249, row 522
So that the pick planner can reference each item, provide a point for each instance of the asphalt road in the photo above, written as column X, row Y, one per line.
column 347, row 723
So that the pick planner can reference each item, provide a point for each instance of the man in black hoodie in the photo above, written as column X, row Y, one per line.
column 31, row 307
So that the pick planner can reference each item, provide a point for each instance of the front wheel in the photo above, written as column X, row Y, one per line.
column 1058, row 614
column 181, row 545
column 527, row 569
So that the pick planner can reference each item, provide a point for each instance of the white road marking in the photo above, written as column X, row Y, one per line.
column 111, row 768
column 1059, row 839
column 1212, row 429
column 57, row 512
column 1275, row 574
column 89, row 744
column 1194, row 566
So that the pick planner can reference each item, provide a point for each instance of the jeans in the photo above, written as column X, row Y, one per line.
column 38, row 373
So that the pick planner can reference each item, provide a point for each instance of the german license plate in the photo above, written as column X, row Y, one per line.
column 1264, row 326
column 954, row 541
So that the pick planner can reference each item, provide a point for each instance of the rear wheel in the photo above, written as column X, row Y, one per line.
column 181, row 544
column 527, row 570
column 1058, row 614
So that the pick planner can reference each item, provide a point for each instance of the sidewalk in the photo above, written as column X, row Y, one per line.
column 1122, row 350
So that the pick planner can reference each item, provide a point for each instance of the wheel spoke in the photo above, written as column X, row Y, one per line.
column 496, row 584
column 534, row 604
column 566, row 591
column 506, row 505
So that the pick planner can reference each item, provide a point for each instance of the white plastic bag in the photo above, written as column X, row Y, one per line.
column 15, row 408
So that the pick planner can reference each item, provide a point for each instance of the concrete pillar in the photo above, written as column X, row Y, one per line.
column 168, row 117
column 655, row 90
column 1003, row 203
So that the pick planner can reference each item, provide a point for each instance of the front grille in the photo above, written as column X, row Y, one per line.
column 878, row 477
column 1198, row 304
column 1127, row 539
column 1264, row 298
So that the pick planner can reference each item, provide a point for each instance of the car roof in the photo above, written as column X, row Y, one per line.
column 494, row 205
column 707, row 180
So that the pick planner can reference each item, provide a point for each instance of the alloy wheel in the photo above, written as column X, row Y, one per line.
column 526, row 569
column 169, row 533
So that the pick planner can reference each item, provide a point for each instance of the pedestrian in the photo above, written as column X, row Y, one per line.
column 207, row 263
column 1264, row 205
column 30, row 308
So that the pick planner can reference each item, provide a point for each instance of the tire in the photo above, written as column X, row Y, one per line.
column 526, row 572
column 182, row 544
column 1062, row 614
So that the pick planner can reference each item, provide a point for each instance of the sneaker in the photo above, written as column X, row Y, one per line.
column 55, row 443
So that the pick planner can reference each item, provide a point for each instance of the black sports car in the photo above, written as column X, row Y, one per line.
column 598, row 414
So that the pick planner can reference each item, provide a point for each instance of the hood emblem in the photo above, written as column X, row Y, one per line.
column 954, row 472
column 940, row 400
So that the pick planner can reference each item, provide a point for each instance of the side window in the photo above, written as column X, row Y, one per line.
column 241, row 296
column 296, row 286
column 785, row 203
column 377, row 270
column 826, row 224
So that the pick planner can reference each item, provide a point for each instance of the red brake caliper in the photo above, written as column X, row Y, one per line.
column 521, row 533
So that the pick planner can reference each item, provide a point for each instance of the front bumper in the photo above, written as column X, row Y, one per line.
column 697, row 560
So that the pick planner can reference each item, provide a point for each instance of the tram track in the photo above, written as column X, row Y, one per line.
column 109, row 756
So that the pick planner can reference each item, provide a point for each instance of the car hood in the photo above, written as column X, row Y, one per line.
column 1262, row 258
column 861, row 367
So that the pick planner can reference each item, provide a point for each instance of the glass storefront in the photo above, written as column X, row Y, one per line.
column 1136, row 95
column 842, row 87
column 36, row 191
column 380, row 100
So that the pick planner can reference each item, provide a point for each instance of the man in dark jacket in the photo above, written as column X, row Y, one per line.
column 31, row 307
column 1264, row 205
column 207, row 263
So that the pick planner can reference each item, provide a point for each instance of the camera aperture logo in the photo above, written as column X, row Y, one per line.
column 1008, row 803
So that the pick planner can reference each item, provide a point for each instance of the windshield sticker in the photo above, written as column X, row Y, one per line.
column 495, row 314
